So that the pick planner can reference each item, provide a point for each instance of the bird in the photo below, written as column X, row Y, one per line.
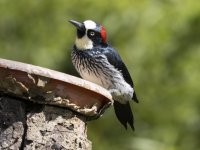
column 97, row 61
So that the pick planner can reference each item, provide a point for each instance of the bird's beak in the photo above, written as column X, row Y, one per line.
column 78, row 25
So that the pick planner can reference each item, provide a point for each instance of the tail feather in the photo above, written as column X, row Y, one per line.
column 135, row 97
column 124, row 114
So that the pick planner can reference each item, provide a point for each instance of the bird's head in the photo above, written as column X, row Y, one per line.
column 89, row 34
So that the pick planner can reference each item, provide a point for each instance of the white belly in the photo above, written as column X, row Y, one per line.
column 106, row 76
column 119, row 89
column 91, row 77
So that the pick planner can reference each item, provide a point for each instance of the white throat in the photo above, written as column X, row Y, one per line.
column 84, row 43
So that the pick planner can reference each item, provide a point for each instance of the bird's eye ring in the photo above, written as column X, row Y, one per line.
column 92, row 33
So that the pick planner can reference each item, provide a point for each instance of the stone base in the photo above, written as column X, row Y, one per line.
column 32, row 126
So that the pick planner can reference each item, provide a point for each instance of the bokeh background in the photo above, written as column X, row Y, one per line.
column 159, row 40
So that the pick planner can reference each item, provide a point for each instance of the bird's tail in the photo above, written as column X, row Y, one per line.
column 124, row 114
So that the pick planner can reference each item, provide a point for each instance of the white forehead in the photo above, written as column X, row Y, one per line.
column 89, row 24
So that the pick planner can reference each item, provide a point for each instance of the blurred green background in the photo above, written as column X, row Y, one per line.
column 159, row 40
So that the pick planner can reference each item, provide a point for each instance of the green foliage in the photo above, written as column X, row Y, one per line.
column 159, row 42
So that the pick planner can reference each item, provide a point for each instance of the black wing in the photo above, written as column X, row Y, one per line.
column 115, row 60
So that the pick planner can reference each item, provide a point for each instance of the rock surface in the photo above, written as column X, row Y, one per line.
column 41, row 127
column 43, row 109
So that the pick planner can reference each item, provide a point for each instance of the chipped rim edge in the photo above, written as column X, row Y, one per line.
column 15, row 65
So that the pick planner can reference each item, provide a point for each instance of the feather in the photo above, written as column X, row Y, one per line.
column 115, row 60
column 124, row 114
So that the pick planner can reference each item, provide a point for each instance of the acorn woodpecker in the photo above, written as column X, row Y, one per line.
column 98, row 62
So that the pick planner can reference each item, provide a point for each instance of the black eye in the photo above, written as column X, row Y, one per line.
column 92, row 33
